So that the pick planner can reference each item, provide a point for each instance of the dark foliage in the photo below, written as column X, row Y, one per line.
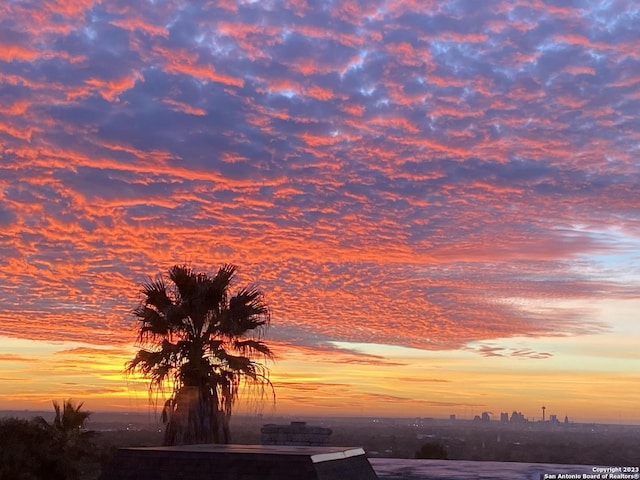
column 29, row 452
column 432, row 451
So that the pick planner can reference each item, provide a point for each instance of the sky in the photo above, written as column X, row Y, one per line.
column 440, row 199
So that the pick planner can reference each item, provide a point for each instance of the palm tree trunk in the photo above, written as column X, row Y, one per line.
column 225, row 428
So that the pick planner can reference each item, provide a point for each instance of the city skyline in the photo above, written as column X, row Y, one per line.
column 440, row 199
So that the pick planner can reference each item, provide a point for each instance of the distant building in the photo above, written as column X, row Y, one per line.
column 420, row 421
column 296, row 433
column 452, row 418
column 553, row 419
column 517, row 417
column 486, row 417
column 504, row 417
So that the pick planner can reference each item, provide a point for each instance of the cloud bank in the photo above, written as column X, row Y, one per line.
column 404, row 173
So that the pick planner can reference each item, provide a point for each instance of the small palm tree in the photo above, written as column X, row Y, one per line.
column 204, row 343
column 68, row 437
column 68, row 428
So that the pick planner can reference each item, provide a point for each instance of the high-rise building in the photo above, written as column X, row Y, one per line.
column 517, row 417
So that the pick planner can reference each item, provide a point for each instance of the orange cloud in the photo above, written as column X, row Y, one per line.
column 111, row 90
column 137, row 24
column 182, row 62
column 11, row 53
column 183, row 107
column 319, row 93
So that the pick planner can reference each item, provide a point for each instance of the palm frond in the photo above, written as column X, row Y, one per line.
column 155, row 292
column 214, row 344
column 185, row 280
column 175, row 316
column 72, row 415
column 225, row 275
column 156, row 364
column 167, row 410
column 153, row 322
column 212, row 292
column 249, row 347
column 246, row 312
column 233, row 363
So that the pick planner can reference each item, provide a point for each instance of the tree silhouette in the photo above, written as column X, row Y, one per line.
column 26, row 453
column 67, row 430
column 432, row 450
column 67, row 437
column 204, row 344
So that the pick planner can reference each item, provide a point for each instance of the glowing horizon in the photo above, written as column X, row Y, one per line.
column 440, row 200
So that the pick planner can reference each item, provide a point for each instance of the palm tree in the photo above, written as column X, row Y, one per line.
column 204, row 343
column 68, row 428
column 68, row 437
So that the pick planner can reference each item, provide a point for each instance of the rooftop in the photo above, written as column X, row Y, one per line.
column 303, row 462
column 402, row 469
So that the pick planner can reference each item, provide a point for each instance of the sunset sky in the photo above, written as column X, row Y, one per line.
column 440, row 199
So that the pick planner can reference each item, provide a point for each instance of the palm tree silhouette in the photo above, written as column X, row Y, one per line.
column 202, row 342
column 69, row 439
column 67, row 429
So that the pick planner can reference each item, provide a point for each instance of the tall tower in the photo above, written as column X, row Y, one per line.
column 543, row 409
